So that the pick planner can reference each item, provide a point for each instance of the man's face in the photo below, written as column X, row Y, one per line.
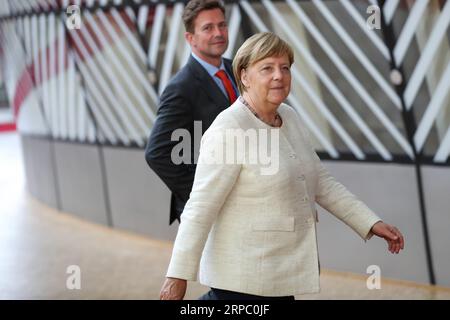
column 210, row 37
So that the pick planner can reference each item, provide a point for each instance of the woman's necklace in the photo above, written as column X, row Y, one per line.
column 276, row 122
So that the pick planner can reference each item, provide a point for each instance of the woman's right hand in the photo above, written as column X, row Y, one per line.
column 173, row 289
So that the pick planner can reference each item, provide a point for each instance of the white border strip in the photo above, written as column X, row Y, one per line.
column 128, row 81
column 389, row 9
column 233, row 30
column 444, row 149
column 433, row 108
column 328, row 146
column 44, row 76
column 157, row 27
column 329, row 83
column 433, row 43
column 327, row 114
column 103, row 126
column 169, row 56
column 91, row 86
column 91, row 66
column 130, row 36
column 354, row 82
column 52, row 92
column 408, row 31
column 118, row 99
column 142, row 18
column 135, row 68
column 72, row 95
column 359, row 54
column 379, row 44
column 61, row 104
column 253, row 16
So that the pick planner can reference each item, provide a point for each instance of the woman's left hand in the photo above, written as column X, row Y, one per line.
column 391, row 234
column 173, row 289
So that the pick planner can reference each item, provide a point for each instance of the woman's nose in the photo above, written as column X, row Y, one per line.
column 278, row 74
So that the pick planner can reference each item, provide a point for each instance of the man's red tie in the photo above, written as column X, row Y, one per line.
column 221, row 74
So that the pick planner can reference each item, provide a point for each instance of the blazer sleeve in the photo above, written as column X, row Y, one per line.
column 174, row 112
column 338, row 200
column 212, row 184
column 344, row 205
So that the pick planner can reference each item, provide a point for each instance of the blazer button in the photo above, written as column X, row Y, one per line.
column 301, row 178
column 293, row 155
column 304, row 199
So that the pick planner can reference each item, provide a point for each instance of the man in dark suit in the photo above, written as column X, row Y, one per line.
column 203, row 88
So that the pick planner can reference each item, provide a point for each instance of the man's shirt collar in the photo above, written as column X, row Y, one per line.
column 211, row 69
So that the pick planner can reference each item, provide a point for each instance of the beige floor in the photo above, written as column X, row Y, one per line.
column 38, row 244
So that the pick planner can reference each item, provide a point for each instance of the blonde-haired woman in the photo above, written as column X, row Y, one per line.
column 252, row 235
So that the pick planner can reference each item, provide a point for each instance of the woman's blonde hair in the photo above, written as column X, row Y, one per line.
column 257, row 47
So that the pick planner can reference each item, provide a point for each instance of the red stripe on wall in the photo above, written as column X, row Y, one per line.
column 29, row 79
column 24, row 87
column 4, row 127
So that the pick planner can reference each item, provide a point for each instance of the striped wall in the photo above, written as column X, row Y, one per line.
column 375, row 101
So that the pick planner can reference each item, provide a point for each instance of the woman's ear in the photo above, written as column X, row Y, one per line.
column 244, row 78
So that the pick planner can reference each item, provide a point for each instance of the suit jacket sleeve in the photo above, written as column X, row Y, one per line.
column 213, row 182
column 174, row 112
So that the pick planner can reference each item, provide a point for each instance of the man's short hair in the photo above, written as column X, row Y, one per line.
column 194, row 7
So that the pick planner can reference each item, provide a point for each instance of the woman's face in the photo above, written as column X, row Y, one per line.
column 268, row 80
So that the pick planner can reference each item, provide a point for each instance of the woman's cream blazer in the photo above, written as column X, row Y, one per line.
column 255, row 233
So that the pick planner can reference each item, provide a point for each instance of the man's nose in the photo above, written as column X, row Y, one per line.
column 218, row 32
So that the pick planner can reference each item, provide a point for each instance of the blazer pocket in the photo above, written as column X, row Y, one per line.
column 274, row 224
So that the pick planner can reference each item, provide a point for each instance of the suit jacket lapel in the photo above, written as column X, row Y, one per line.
column 229, row 68
column 207, row 83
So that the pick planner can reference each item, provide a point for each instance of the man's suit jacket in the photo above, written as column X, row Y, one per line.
column 191, row 95
column 254, row 233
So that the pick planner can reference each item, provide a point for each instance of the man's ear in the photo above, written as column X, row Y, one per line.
column 188, row 36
